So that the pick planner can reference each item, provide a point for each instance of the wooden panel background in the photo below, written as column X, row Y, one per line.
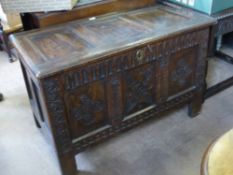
column 98, row 8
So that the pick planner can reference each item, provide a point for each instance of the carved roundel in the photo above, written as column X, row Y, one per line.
column 181, row 73
column 85, row 113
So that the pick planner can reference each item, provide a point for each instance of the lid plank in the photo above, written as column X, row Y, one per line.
column 50, row 50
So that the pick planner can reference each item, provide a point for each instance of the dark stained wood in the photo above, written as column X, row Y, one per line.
column 1, row 97
column 4, row 45
column 86, row 41
column 225, row 22
column 4, row 40
column 38, row 20
column 219, row 87
column 91, row 79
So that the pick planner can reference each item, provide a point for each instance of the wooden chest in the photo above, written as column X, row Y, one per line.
column 91, row 79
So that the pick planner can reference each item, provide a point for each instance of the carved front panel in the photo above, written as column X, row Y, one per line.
column 181, row 68
column 104, row 94
column 86, row 108
column 139, row 88
column 95, row 95
column 99, row 98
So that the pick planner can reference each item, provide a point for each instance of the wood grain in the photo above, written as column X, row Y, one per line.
column 99, row 77
column 77, row 43
column 39, row 20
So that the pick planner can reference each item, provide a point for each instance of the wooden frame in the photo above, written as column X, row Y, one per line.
column 224, row 26
column 1, row 97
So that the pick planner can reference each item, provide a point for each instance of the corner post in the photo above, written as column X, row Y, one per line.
column 59, row 126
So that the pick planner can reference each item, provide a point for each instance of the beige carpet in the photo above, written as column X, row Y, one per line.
column 173, row 145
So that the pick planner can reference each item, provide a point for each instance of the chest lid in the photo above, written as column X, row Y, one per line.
column 57, row 48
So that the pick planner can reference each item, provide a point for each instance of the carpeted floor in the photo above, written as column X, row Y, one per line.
column 172, row 145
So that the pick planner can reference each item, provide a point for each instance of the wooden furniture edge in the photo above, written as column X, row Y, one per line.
column 90, row 10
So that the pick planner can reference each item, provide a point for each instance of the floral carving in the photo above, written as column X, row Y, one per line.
column 85, row 113
column 57, row 112
column 138, row 92
column 181, row 73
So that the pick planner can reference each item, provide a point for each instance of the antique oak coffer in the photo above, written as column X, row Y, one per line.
column 90, row 79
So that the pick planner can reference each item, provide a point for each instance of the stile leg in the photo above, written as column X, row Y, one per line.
column 1, row 97
column 194, row 107
column 68, row 164
column 59, row 126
